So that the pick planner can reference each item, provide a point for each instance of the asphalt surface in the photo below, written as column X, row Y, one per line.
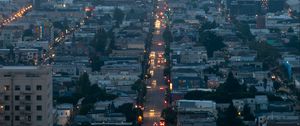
column 155, row 95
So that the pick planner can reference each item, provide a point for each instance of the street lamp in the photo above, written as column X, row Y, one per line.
column 140, row 119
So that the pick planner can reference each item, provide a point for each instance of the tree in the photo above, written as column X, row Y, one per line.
column 211, row 41
column 252, row 89
column 131, row 11
column 167, row 71
column 206, row 25
column 2, row 60
column 275, row 30
column 93, row 95
column 58, row 25
column 231, row 85
column 67, row 99
column 118, row 15
column 177, row 21
column 200, row 18
column 128, row 110
column 205, row 79
column 94, row 2
column 96, row 63
column 298, row 95
column 230, row 117
column 265, row 53
column 244, row 31
column 84, row 109
column 167, row 35
column 294, row 42
column 265, row 82
column 83, row 85
column 219, row 97
column 111, row 36
column 248, row 116
column 290, row 30
column 169, row 115
column 140, row 87
column 27, row 32
column 137, row 85
column 62, row 25
column 277, row 85
column 206, row 8
column 100, row 40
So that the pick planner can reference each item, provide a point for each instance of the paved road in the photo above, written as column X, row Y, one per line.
column 16, row 15
column 155, row 95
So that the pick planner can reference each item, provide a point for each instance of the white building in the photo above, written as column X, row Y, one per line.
column 26, row 96
column 196, row 113
column 64, row 112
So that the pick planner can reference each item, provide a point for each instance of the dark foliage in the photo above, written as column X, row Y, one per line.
column 244, row 31
column 128, row 110
column 91, row 93
column 169, row 115
column 211, row 41
column 167, row 35
column 118, row 15
column 294, row 42
column 230, row 117
column 96, row 63
column 248, row 116
column 100, row 40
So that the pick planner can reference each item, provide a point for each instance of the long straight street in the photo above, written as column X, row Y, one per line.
column 16, row 15
column 155, row 101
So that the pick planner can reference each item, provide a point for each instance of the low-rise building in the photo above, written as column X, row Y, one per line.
column 196, row 112
column 64, row 113
column 278, row 119
column 262, row 102
column 184, row 79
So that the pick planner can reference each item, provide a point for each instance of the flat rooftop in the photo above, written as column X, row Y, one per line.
column 18, row 67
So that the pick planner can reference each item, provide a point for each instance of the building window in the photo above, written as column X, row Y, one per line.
column 27, row 97
column 39, row 118
column 6, row 118
column 6, row 87
column 39, row 108
column 39, row 87
column 17, row 88
column 6, row 97
column 27, row 88
column 29, row 118
column 39, row 97
column 6, row 107
column 17, row 97
column 17, row 118
column 17, row 108
column 28, row 108
column 7, row 75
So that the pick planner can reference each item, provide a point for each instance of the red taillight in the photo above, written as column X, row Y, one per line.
column 162, row 123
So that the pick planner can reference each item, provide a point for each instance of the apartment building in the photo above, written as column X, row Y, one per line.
column 196, row 113
column 25, row 96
